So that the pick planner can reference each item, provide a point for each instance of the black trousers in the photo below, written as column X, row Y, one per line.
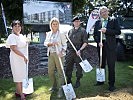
column 72, row 58
column 109, row 58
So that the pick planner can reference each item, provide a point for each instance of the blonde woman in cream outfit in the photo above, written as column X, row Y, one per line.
column 18, row 56
column 55, row 37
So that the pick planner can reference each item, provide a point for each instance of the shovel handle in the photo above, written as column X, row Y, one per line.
column 71, row 43
column 27, row 61
column 101, row 49
column 57, row 51
column 62, row 70
column 73, row 46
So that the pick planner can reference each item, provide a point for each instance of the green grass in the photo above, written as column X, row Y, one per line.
column 124, row 79
column 2, row 40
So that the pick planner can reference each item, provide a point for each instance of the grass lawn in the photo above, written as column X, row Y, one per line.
column 124, row 79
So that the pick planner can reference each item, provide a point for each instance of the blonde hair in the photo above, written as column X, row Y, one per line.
column 54, row 19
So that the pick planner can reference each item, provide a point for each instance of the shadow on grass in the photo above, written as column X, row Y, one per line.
column 124, row 80
column 55, row 97
column 124, row 74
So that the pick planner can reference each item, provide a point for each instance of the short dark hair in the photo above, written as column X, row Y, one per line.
column 15, row 22
column 75, row 18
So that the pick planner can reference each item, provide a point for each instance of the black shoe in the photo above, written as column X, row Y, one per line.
column 99, row 83
column 77, row 84
column 69, row 81
column 112, row 88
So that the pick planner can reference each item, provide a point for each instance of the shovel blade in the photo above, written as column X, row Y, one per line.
column 69, row 91
column 86, row 66
column 100, row 74
column 28, row 88
column 25, row 83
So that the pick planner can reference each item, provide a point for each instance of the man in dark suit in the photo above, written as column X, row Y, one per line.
column 110, row 28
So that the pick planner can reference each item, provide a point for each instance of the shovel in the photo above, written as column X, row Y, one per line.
column 84, row 63
column 27, row 82
column 68, row 89
column 100, row 73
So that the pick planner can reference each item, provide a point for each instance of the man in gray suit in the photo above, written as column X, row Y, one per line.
column 110, row 28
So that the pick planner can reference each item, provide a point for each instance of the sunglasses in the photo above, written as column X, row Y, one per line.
column 16, row 22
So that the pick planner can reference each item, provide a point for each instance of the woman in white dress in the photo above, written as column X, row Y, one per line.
column 18, row 56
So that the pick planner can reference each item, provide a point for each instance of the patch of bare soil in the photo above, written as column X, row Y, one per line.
column 123, row 94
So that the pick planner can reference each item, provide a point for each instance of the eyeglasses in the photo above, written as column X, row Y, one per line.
column 16, row 22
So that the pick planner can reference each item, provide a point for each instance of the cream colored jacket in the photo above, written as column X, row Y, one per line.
column 61, row 39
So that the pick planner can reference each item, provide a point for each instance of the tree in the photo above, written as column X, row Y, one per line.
column 77, row 6
column 2, row 29
column 13, row 9
column 121, row 7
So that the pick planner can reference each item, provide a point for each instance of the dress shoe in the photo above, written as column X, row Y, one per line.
column 99, row 83
column 69, row 81
column 77, row 84
column 60, row 93
column 18, row 95
column 112, row 88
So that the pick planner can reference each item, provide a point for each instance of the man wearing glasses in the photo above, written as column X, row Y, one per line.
column 110, row 28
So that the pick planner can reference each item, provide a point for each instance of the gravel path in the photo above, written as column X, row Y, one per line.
column 123, row 94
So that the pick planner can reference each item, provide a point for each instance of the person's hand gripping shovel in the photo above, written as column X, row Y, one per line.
column 27, row 82
column 84, row 63
column 68, row 89
column 100, row 73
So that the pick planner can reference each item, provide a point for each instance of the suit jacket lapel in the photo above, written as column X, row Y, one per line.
column 50, row 34
column 108, row 24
